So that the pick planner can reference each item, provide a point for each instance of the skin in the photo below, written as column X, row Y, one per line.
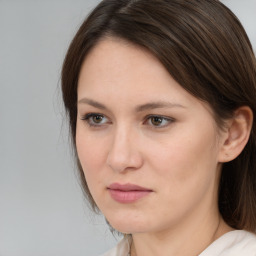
column 178, row 159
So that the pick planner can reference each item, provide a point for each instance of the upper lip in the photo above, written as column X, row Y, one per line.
column 127, row 187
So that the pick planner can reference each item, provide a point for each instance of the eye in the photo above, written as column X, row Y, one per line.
column 94, row 119
column 159, row 121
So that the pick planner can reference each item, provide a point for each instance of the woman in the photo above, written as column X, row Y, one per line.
column 161, row 97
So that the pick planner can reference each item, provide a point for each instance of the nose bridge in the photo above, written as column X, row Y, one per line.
column 124, row 152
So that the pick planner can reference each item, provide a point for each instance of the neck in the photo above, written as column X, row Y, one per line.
column 190, row 240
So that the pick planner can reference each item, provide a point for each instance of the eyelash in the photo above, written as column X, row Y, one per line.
column 168, row 120
column 88, row 119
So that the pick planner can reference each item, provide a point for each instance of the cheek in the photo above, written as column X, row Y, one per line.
column 186, row 163
column 92, row 155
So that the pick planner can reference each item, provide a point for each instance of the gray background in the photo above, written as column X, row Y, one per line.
column 42, row 210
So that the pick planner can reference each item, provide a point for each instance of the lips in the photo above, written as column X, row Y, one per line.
column 127, row 193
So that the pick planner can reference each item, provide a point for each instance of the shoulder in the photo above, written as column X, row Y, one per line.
column 121, row 249
column 234, row 243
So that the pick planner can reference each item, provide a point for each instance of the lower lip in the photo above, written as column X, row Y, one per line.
column 128, row 196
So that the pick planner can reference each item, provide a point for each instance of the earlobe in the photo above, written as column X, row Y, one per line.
column 237, row 134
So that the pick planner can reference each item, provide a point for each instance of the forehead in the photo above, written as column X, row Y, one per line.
column 114, row 56
column 121, row 72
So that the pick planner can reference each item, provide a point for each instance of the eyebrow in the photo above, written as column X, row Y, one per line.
column 140, row 108
column 158, row 104
column 92, row 103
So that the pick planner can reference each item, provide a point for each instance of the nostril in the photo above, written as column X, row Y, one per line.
column 120, row 161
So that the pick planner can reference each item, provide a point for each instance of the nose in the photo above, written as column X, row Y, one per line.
column 124, row 153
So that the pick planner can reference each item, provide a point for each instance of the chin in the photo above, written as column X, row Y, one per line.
column 128, row 229
column 128, row 225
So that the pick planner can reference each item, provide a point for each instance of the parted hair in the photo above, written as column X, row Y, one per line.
column 206, row 50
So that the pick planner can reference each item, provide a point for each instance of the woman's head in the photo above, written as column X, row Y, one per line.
column 205, row 50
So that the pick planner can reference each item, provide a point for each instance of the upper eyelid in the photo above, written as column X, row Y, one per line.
column 162, row 116
column 146, row 117
column 170, row 119
column 88, row 115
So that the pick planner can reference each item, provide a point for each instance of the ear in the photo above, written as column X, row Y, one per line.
column 236, row 135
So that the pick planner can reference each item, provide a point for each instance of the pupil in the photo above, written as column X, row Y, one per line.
column 157, row 120
column 97, row 119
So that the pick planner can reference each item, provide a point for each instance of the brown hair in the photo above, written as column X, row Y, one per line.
column 206, row 50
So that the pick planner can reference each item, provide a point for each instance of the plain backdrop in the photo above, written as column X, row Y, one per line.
column 42, row 210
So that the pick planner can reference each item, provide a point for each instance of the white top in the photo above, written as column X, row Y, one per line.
column 233, row 243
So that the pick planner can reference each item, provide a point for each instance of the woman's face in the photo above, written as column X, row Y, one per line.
column 149, row 150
